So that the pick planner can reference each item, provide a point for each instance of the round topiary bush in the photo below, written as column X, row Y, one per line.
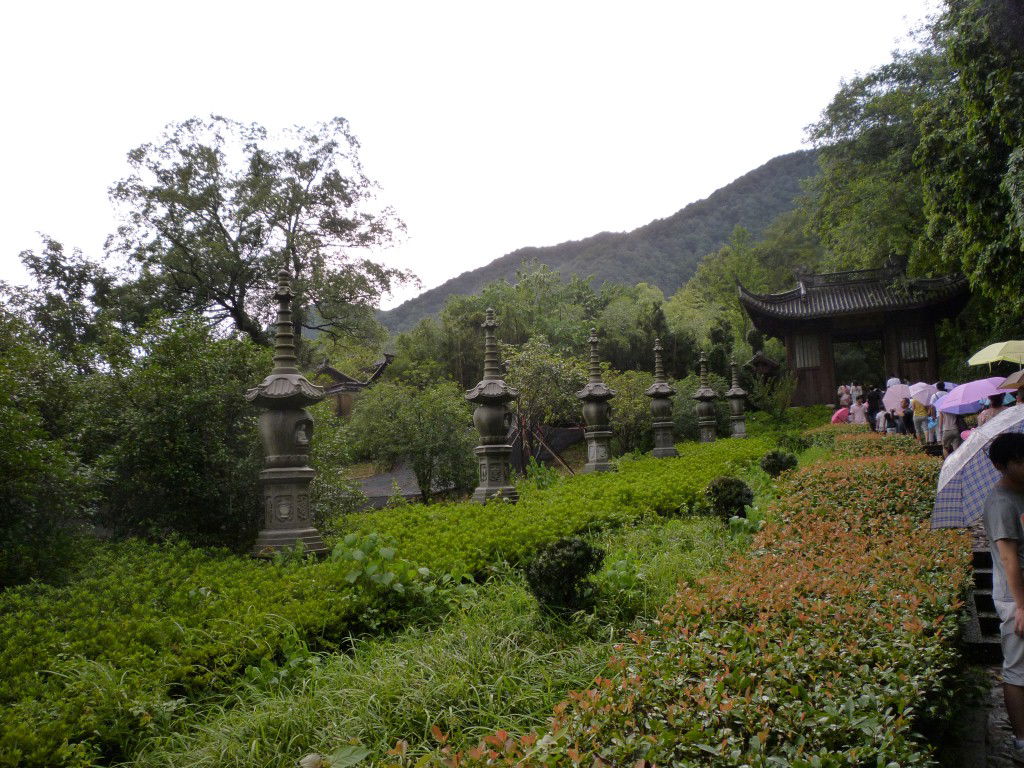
column 557, row 576
column 729, row 496
column 777, row 462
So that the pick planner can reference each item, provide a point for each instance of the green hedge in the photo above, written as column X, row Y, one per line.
column 463, row 538
column 87, row 668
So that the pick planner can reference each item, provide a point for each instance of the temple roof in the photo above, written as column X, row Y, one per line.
column 819, row 296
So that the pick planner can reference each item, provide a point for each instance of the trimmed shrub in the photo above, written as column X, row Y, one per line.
column 728, row 497
column 777, row 462
column 791, row 442
column 558, row 575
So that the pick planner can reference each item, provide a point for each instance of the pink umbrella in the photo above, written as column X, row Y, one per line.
column 963, row 399
column 893, row 395
column 841, row 416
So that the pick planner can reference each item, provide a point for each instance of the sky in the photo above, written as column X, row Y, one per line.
column 489, row 126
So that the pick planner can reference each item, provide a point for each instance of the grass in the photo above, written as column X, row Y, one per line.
column 493, row 662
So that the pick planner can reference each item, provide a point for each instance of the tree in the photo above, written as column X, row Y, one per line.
column 171, row 441
column 970, row 149
column 631, row 409
column 215, row 208
column 430, row 428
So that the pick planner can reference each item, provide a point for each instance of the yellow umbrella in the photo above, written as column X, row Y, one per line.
column 1011, row 351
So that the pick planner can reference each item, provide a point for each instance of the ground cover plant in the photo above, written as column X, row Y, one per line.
column 830, row 643
column 495, row 661
column 464, row 538
column 89, row 668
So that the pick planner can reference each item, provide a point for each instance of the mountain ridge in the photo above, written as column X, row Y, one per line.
column 664, row 252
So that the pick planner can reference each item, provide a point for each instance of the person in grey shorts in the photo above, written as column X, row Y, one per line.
column 1002, row 517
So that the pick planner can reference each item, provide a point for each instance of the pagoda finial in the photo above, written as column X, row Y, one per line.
column 735, row 372
column 595, row 361
column 492, row 368
column 284, row 343
column 659, row 366
column 703, row 369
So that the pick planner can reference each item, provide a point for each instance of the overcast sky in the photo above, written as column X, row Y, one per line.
column 490, row 126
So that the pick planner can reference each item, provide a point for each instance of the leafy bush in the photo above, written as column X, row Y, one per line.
column 831, row 643
column 557, row 576
column 728, row 497
column 430, row 428
column 145, row 625
column 173, row 442
column 464, row 538
column 774, row 395
column 793, row 443
column 41, row 481
column 777, row 462
column 631, row 410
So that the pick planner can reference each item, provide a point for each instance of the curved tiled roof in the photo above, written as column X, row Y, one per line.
column 844, row 293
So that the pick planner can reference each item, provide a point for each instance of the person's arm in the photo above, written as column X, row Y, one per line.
column 1014, row 579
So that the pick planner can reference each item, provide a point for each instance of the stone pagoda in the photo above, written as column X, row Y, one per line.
column 661, row 394
column 705, row 397
column 492, row 419
column 597, row 414
column 737, row 399
column 286, row 428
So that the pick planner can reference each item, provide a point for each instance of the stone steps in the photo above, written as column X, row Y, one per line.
column 980, row 626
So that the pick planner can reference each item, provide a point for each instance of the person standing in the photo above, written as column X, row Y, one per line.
column 995, row 405
column 1004, row 507
column 874, row 407
column 859, row 411
column 907, row 413
column 949, row 433
column 920, row 419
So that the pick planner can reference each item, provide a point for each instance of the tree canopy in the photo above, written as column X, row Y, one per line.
column 216, row 207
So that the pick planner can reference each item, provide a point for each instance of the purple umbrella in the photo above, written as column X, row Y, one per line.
column 893, row 395
column 966, row 397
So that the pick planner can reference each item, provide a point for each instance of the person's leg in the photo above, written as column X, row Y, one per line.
column 1013, row 695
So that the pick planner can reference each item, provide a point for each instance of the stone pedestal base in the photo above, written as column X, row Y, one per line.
column 286, row 515
column 707, row 431
column 664, row 446
column 493, row 461
column 739, row 427
column 598, row 452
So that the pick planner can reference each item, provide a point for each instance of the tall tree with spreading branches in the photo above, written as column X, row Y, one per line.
column 215, row 207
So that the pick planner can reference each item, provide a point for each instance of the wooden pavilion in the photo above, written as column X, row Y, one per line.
column 861, row 305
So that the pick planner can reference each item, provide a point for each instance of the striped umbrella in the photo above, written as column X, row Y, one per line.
column 968, row 475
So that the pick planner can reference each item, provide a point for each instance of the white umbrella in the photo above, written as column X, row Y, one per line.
column 968, row 475
column 922, row 392
column 893, row 395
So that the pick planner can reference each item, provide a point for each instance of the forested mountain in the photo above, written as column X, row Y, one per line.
column 664, row 253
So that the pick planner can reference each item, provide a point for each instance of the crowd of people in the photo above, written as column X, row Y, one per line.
column 921, row 420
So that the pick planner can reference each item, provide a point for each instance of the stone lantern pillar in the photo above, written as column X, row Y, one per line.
column 705, row 397
column 491, row 418
column 661, row 393
column 286, row 428
column 597, row 414
column 737, row 398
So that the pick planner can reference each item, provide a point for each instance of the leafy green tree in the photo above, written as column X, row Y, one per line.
column 216, row 207
column 172, row 441
column 972, row 134
column 631, row 409
column 867, row 204
column 42, row 489
column 429, row 428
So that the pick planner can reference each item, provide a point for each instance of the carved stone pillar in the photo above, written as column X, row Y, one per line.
column 705, row 397
column 286, row 428
column 737, row 399
column 597, row 414
column 491, row 419
column 661, row 394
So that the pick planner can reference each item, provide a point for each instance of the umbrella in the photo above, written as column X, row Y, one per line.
column 968, row 475
column 893, row 395
column 1013, row 381
column 1011, row 351
column 966, row 397
column 922, row 392
column 841, row 416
